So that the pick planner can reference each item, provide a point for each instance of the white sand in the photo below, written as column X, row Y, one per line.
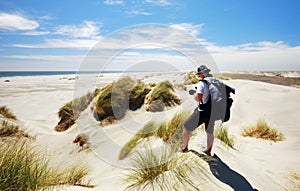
column 262, row 164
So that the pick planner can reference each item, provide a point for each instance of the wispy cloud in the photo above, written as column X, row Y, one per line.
column 16, row 22
column 88, row 29
column 114, row 2
column 35, row 33
column 158, row 2
column 189, row 28
column 136, row 12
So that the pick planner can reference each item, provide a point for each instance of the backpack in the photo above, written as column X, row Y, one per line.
column 220, row 99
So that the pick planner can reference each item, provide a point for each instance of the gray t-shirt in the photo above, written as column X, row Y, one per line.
column 202, row 88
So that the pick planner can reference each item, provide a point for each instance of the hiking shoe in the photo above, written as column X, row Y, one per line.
column 207, row 153
column 185, row 150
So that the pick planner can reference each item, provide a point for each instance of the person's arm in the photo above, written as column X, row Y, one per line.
column 198, row 97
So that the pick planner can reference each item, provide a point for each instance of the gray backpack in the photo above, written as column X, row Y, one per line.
column 220, row 98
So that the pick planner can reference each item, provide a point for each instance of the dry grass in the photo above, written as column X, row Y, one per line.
column 164, row 92
column 23, row 167
column 116, row 98
column 71, row 110
column 163, row 171
column 222, row 134
column 7, row 113
column 263, row 131
column 170, row 131
column 191, row 78
column 294, row 180
column 146, row 131
column 10, row 130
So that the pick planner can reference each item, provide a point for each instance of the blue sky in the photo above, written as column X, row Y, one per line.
column 239, row 35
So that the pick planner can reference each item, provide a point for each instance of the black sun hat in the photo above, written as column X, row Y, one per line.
column 203, row 69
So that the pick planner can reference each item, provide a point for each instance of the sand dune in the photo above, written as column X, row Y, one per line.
column 253, row 164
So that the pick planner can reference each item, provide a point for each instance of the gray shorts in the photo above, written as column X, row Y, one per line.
column 197, row 118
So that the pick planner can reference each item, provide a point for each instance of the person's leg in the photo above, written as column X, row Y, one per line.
column 186, row 134
column 190, row 124
column 209, row 137
column 210, row 142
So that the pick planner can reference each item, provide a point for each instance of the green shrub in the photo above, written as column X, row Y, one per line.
column 191, row 78
column 7, row 113
column 263, row 131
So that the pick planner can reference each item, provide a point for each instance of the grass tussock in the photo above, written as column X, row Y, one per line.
column 116, row 98
column 191, row 78
column 294, row 179
column 83, row 141
column 23, row 167
column 170, row 131
column 263, row 131
column 10, row 130
column 222, row 134
column 146, row 131
column 163, row 171
column 5, row 112
column 163, row 92
column 71, row 110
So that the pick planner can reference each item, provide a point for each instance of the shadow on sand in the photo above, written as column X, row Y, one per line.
column 226, row 175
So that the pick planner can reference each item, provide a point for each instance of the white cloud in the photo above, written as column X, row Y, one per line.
column 189, row 28
column 62, row 43
column 158, row 2
column 16, row 22
column 35, row 33
column 140, row 13
column 88, row 29
column 114, row 2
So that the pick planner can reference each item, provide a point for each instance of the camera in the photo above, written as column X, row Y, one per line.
column 192, row 92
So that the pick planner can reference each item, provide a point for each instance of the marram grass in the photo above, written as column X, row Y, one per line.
column 263, row 131
column 222, row 134
column 7, row 113
column 23, row 167
column 164, row 170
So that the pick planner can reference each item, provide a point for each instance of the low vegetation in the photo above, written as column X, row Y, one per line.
column 263, row 131
column 164, row 93
column 24, row 167
column 294, row 182
column 5, row 112
column 71, row 110
column 163, row 171
column 83, row 141
column 8, row 129
column 191, row 78
column 116, row 98
column 170, row 131
column 222, row 134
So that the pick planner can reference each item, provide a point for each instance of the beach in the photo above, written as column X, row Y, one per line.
column 252, row 164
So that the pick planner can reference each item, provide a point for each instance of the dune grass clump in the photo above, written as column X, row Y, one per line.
column 191, row 78
column 83, row 141
column 116, row 98
column 71, row 110
column 23, row 167
column 170, row 131
column 294, row 182
column 10, row 130
column 5, row 112
column 163, row 171
column 263, row 131
column 222, row 134
column 165, row 93
column 146, row 131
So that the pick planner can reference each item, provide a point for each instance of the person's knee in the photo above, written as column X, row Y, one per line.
column 185, row 131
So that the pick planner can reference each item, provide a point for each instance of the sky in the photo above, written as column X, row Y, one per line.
column 239, row 35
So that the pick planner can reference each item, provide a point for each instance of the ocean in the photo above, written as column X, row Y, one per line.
column 46, row 73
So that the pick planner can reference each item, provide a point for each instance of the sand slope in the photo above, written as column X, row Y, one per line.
column 254, row 163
